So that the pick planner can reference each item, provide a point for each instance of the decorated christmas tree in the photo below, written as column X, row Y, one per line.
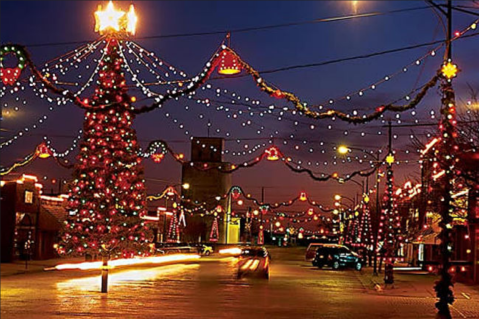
column 107, row 195
column 214, row 234
column 365, row 234
column 174, row 229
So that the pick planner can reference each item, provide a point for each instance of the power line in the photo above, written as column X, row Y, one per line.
column 248, row 29
column 357, row 57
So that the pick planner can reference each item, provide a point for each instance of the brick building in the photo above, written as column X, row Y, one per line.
column 29, row 221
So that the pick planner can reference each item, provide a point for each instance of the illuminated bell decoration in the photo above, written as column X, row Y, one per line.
column 228, row 64
column 273, row 154
column 310, row 211
column 170, row 191
column 302, row 196
column 157, row 157
column 449, row 70
column 43, row 151
column 110, row 19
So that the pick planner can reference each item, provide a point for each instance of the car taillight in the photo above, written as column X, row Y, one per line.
column 247, row 264
column 254, row 265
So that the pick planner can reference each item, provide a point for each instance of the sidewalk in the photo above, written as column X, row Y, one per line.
column 20, row 267
column 418, row 284
column 34, row 266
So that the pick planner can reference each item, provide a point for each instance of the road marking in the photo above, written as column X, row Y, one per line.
column 466, row 295
column 462, row 315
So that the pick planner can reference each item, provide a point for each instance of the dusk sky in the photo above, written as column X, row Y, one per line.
column 52, row 28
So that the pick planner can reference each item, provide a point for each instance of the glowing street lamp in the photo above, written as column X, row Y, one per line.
column 355, row 6
column 343, row 149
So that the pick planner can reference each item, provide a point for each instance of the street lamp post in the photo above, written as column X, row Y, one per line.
column 346, row 149
column 342, row 215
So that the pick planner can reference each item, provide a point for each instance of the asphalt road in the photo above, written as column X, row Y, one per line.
column 208, row 289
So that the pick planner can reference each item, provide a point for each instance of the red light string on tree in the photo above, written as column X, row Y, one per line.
column 107, row 199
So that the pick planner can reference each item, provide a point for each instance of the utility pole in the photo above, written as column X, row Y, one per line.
column 447, row 161
column 378, row 216
column 389, row 233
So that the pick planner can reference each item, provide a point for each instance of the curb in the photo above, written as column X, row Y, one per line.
column 20, row 272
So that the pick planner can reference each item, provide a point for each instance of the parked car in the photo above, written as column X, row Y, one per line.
column 254, row 262
column 174, row 248
column 337, row 256
column 202, row 249
column 311, row 251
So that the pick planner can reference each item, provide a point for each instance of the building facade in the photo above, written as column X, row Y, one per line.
column 209, row 186
column 29, row 221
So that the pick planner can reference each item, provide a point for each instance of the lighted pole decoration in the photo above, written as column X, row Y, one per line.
column 448, row 158
column 107, row 196
column 214, row 233
column 174, row 230
column 342, row 216
column 387, row 221
column 263, row 209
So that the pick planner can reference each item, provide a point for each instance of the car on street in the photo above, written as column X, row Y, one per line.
column 336, row 256
column 202, row 249
column 254, row 262
column 311, row 251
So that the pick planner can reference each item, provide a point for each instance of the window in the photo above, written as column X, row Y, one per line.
column 28, row 197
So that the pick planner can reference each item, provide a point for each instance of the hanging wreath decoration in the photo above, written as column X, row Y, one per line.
column 10, row 76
